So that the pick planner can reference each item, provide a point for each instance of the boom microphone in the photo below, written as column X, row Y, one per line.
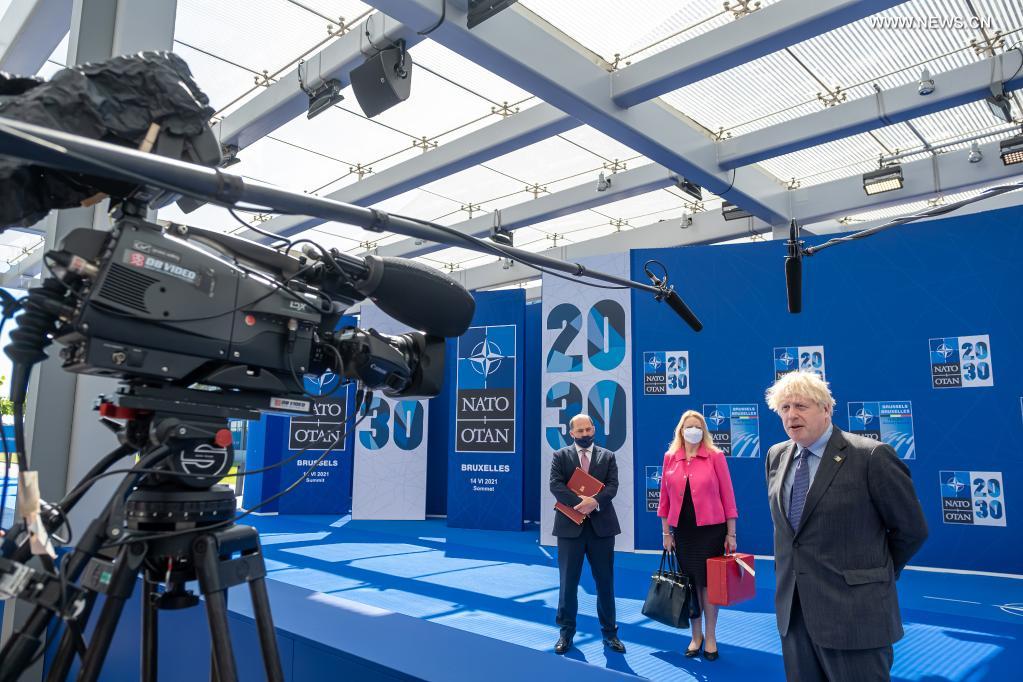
column 794, row 271
column 668, row 294
column 401, row 288
column 676, row 303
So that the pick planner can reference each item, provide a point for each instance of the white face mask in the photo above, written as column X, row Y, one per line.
column 692, row 434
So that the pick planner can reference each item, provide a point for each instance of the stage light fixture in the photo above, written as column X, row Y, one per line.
column 603, row 182
column 976, row 156
column 690, row 188
column 1012, row 150
column 999, row 103
column 886, row 179
column 324, row 97
column 730, row 211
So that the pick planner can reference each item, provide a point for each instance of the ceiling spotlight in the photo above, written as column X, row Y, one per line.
column 999, row 104
column 324, row 97
column 730, row 211
column 501, row 235
column 1012, row 150
column 690, row 188
column 687, row 221
column 926, row 84
column 603, row 182
column 885, row 179
column 976, row 156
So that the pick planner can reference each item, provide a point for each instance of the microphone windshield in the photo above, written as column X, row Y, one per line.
column 418, row 296
column 794, row 283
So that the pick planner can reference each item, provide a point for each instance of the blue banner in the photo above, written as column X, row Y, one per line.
column 485, row 460
column 916, row 336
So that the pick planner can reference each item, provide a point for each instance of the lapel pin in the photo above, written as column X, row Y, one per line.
column 838, row 458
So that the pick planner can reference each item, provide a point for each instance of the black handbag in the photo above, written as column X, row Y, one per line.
column 671, row 598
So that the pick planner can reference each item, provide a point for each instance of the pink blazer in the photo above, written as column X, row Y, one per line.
column 709, row 484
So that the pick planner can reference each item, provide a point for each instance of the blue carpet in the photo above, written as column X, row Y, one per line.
column 960, row 628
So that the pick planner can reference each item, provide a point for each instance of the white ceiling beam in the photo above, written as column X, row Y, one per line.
column 930, row 177
column 285, row 99
column 30, row 30
column 522, row 48
column 707, row 227
column 951, row 89
column 626, row 184
column 739, row 42
column 513, row 132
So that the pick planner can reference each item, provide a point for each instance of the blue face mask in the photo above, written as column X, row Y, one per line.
column 584, row 442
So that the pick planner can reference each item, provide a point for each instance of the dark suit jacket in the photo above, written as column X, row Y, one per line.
column 861, row 524
column 604, row 468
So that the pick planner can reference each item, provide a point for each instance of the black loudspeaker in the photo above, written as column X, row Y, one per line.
column 382, row 80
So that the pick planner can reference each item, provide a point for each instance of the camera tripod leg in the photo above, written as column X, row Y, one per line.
column 150, row 636
column 119, row 584
column 207, row 569
column 265, row 626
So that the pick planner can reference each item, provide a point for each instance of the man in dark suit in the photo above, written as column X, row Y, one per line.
column 593, row 539
column 846, row 521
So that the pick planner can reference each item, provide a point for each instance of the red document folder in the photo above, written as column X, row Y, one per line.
column 581, row 484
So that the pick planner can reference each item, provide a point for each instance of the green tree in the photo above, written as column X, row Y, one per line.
column 6, row 406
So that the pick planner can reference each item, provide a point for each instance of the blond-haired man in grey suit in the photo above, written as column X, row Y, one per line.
column 846, row 521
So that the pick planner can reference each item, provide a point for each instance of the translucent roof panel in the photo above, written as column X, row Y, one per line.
column 604, row 26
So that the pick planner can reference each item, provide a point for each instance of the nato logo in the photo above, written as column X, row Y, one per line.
column 955, row 484
column 864, row 416
column 956, row 497
column 486, row 357
column 485, row 399
column 653, row 488
column 785, row 359
column 716, row 418
column 321, row 384
column 655, row 375
column 944, row 351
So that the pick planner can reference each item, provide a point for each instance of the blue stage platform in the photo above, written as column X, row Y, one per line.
column 418, row 600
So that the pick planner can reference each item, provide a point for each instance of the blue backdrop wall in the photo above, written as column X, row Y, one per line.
column 887, row 319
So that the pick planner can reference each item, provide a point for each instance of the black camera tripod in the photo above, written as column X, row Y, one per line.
column 174, row 527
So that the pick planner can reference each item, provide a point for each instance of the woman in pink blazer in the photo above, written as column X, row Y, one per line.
column 698, row 502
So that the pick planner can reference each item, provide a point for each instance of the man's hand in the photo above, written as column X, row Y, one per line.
column 586, row 506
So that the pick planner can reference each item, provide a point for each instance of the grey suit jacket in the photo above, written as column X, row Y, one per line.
column 861, row 524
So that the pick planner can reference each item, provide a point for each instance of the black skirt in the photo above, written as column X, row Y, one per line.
column 695, row 544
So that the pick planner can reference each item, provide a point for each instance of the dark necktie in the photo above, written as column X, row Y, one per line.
column 800, row 486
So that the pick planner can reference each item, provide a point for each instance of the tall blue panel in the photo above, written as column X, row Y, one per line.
column 531, row 413
column 486, row 443
column 888, row 320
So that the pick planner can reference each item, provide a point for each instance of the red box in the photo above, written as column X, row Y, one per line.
column 727, row 582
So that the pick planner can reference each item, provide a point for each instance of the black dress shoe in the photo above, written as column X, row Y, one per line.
column 710, row 655
column 693, row 653
column 563, row 645
column 614, row 644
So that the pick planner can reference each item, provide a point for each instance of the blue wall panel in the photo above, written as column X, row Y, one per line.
column 873, row 304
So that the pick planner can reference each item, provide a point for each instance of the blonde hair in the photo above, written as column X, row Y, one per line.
column 708, row 442
column 800, row 384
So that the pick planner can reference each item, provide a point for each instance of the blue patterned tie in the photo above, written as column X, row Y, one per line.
column 800, row 486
